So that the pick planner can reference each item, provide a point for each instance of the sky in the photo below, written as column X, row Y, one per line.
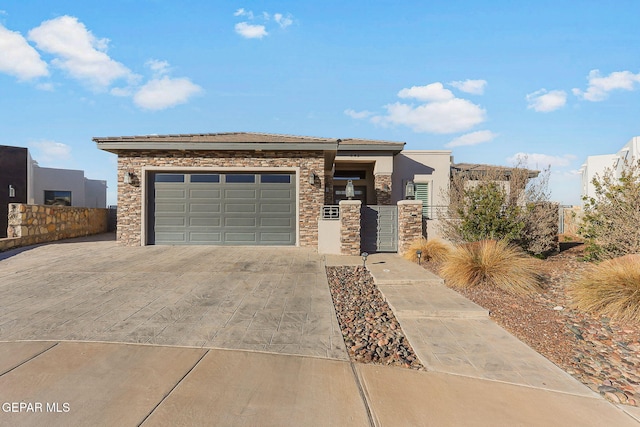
column 492, row 81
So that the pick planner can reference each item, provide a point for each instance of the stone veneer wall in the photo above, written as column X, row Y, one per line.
column 383, row 196
column 31, row 224
column 310, row 197
column 350, row 227
column 409, row 223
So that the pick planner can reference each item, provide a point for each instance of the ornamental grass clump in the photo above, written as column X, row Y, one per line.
column 611, row 288
column 493, row 264
column 435, row 250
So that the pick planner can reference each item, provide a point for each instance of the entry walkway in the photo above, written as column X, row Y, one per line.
column 451, row 334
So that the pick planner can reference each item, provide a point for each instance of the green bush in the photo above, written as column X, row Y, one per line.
column 611, row 218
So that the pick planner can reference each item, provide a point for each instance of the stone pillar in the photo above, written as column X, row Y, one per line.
column 409, row 223
column 328, row 188
column 382, row 185
column 350, row 227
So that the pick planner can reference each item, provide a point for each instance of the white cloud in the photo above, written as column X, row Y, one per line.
column 250, row 31
column 158, row 67
column 78, row 52
column 45, row 86
column 539, row 160
column 545, row 101
column 50, row 152
column 243, row 12
column 440, row 111
column 430, row 92
column 473, row 138
column 283, row 21
column 358, row 114
column 18, row 58
column 165, row 92
column 474, row 87
column 599, row 86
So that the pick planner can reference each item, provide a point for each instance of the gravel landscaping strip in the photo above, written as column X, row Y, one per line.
column 370, row 330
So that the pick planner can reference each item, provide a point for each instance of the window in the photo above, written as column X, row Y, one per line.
column 276, row 179
column 169, row 177
column 240, row 178
column 344, row 175
column 57, row 198
column 205, row 178
column 422, row 193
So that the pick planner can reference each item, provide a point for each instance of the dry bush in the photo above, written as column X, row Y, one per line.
column 435, row 250
column 491, row 263
column 611, row 288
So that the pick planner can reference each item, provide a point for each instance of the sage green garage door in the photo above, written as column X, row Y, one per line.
column 223, row 209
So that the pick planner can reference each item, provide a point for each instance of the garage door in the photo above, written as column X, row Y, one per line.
column 224, row 209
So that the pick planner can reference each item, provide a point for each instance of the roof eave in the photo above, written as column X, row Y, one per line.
column 117, row 146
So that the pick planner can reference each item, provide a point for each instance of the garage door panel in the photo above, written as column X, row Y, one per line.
column 284, row 194
column 171, row 194
column 162, row 208
column 275, row 208
column 170, row 221
column 204, row 207
column 204, row 222
column 171, row 238
column 205, row 237
column 239, row 237
column 240, row 222
column 240, row 208
column 240, row 194
column 205, row 194
column 231, row 209
column 281, row 238
column 276, row 222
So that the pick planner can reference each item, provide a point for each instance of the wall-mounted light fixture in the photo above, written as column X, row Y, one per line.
column 12, row 191
column 349, row 191
column 128, row 177
column 410, row 191
column 386, row 187
column 312, row 178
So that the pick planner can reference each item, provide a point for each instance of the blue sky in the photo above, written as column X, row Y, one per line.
column 490, row 80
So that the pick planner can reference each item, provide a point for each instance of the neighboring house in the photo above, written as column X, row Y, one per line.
column 23, row 181
column 596, row 165
column 256, row 188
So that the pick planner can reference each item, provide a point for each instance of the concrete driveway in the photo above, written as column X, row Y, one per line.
column 253, row 298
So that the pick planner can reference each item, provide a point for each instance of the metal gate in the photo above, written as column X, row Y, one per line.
column 379, row 229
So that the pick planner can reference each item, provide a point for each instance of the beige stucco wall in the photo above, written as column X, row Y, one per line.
column 132, row 198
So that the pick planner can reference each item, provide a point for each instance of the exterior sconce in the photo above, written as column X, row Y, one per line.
column 349, row 191
column 419, row 255
column 312, row 178
column 364, row 259
column 128, row 177
column 410, row 191
column 12, row 191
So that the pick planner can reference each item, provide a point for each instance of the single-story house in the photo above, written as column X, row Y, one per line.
column 256, row 188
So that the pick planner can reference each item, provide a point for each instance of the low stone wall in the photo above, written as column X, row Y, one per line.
column 350, row 227
column 32, row 224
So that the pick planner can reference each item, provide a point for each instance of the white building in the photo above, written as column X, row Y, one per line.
column 596, row 165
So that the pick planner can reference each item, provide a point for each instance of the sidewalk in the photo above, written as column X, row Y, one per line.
column 82, row 383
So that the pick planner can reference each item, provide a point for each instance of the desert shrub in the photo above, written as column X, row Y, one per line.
column 611, row 218
column 502, row 204
column 491, row 263
column 611, row 288
column 435, row 250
